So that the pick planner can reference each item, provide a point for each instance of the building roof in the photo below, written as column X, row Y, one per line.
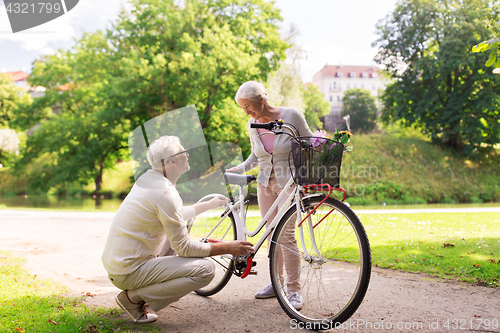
column 348, row 71
column 18, row 76
column 67, row 86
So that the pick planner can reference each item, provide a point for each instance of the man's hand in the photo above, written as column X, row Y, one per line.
column 236, row 248
column 217, row 201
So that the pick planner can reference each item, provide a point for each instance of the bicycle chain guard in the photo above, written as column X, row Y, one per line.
column 243, row 266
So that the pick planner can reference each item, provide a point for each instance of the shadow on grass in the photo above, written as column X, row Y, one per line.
column 475, row 260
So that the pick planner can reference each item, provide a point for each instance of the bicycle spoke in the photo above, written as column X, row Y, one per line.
column 210, row 225
column 334, row 280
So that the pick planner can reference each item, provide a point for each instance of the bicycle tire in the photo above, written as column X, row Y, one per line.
column 224, row 264
column 334, row 283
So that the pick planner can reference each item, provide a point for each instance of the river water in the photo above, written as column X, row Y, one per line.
column 60, row 202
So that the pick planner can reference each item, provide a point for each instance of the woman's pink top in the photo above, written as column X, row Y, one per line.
column 268, row 139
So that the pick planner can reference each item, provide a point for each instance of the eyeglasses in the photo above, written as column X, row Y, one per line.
column 163, row 163
column 182, row 152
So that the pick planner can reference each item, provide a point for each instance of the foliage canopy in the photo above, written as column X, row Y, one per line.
column 359, row 104
column 315, row 105
column 435, row 80
column 13, row 100
column 157, row 57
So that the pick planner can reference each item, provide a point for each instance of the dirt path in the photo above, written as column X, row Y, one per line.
column 66, row 246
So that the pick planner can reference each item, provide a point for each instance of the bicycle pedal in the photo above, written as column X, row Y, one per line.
column 253, row 272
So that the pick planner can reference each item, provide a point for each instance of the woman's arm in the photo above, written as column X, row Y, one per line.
column 251, row 162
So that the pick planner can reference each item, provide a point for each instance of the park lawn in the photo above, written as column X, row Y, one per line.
column 465, row 246
column 31, row 304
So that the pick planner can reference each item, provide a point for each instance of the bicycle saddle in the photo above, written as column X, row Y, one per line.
column 241, row 180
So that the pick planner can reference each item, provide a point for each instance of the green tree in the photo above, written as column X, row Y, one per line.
column 13, row 100
column 360, row 105
column 435, row 81
column 77, row 135
column 286, row 88
column 315, row 104
column 285, row 85
column 157, row 57
column 228, row 124
column 492, row 46
column 9, row 143
column 198, row 54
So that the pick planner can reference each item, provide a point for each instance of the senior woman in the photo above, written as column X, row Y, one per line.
column 270, row 153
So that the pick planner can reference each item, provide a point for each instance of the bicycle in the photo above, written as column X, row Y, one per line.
column 330, row 241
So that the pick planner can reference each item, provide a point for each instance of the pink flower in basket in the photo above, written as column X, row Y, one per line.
column 319, row 137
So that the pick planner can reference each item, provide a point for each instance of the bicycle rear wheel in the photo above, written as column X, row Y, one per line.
column 327, row 258
column 209, row 227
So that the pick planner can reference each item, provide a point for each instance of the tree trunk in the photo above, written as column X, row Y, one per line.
column 455, row 142
column 98, row 179
column 206, row 116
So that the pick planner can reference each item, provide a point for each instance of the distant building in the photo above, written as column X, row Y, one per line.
column 19, row 78
column 334, row 80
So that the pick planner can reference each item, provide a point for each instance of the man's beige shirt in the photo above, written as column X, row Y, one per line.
column 151, row 213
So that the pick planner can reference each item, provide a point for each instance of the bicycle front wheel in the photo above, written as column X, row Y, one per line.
column 210, row 227
column 327, row 258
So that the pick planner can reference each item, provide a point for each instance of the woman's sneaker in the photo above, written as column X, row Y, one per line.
column 266, row 292
column 295, row 299
column 136, row 311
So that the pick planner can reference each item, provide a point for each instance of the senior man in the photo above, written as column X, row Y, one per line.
column 148, row 226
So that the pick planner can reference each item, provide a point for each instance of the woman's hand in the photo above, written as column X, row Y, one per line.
column 235, row 170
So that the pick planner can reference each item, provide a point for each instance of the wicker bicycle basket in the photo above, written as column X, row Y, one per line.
column 317, row 160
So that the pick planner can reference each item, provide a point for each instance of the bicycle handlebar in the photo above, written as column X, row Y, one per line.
column 267, row 126
column 277, row 125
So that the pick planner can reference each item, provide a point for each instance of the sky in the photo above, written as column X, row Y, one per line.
column 331, row 31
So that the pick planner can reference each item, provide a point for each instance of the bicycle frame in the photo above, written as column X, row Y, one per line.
column 334, row 259
column 238, row 210
column 240, row 218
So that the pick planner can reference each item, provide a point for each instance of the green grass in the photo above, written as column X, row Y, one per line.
column 11, row 185
column 465, row 246
column 30, row 304
column 409, row 170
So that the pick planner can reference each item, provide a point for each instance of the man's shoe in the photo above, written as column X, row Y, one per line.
column 136, row 311
column 295, row 299
column 266, row 292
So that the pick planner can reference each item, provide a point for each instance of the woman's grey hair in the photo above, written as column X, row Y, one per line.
column 251, row 90
column 162, row 148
